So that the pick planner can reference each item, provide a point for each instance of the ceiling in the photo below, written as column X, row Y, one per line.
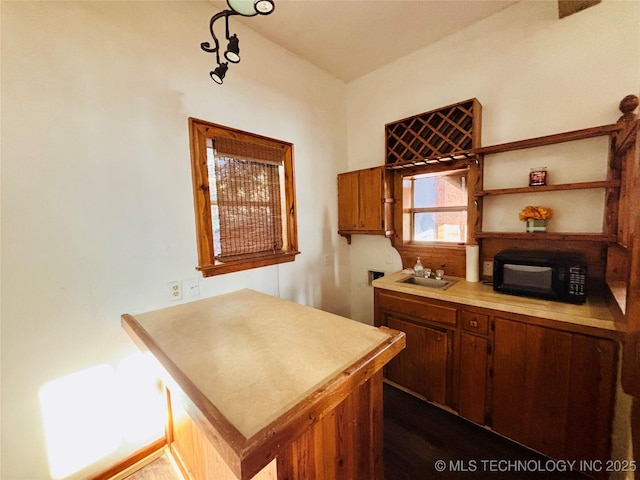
column 350, row 38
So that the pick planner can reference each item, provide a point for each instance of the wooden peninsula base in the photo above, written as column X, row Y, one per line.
column 265, row 388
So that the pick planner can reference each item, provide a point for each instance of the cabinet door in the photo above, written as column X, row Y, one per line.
column 423, row 365
column 593, row 376
column 370, row 202
column 509, row 372
column 553, row 391
column 531, row 371
column 473, row 377
column 348, row 201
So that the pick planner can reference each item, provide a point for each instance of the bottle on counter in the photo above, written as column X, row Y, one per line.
column 418, row 269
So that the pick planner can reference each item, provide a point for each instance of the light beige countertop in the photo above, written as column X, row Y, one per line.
column 594, row 313
column 253, row 356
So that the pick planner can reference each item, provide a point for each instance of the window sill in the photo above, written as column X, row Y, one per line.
column 239, row 265
column 426, row 245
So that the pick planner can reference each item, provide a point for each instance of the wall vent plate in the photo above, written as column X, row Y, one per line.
column 373, row 275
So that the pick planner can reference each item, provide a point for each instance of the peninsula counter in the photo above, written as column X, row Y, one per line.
column 271, row 389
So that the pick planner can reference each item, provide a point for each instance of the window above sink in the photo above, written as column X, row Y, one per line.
column 434, row 207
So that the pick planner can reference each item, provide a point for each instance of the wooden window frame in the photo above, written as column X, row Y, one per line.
column 199, row 132
column 448, row 256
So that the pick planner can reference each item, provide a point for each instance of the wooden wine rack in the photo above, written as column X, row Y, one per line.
column 445, row 134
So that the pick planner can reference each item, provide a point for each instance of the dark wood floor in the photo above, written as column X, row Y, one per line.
column 418, row 435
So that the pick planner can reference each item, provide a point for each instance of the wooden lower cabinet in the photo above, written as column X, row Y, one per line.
column 424, row 365
column 553, row 391
column 549, row 389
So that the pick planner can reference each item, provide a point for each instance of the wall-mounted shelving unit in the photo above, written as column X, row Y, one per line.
column 611, row 185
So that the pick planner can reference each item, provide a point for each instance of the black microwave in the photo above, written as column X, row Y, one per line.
column 560, row 276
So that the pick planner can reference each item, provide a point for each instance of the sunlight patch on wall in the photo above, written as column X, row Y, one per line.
column 143, row 409
column 89, row 414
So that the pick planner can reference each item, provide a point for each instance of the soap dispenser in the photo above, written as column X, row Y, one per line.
column 418, row 269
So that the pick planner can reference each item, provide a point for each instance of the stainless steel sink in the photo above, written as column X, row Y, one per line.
column 441, row 284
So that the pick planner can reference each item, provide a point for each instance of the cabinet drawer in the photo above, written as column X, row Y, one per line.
column 474, row 322
column 417, row 308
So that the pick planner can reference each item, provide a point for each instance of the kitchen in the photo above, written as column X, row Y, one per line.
column 97, row 203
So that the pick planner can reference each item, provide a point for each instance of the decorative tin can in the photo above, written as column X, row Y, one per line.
column 538, row 176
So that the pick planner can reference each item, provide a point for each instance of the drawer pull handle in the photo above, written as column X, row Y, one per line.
column 473, row 323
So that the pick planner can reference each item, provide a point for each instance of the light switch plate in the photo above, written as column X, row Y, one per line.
column 193, row 287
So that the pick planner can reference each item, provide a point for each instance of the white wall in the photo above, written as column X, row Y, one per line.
column 533, row 74
column 97, row 212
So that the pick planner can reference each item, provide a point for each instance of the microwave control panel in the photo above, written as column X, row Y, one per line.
column 577, row 281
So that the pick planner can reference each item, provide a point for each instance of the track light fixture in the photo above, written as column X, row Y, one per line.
column 233, row 50
column 219, row 72
column 245, row 8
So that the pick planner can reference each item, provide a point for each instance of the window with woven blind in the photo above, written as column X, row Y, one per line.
column 244, row 199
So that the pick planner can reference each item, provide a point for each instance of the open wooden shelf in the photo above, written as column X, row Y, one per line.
column 587, row 237
column 549, row 139
column 550, row 188
column 611, row 184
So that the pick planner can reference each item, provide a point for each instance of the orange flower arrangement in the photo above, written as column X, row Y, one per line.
column 535, row 213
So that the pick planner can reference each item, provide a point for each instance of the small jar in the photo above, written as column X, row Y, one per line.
column 538, row 176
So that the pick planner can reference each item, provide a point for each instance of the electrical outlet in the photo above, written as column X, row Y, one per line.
column 487, row 268
column 325, row 260
column 175, row 290
column 193, row 287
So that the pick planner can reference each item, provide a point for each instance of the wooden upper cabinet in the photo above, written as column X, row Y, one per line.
column 348, row 208
column 361, row 202
column 371, row 198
